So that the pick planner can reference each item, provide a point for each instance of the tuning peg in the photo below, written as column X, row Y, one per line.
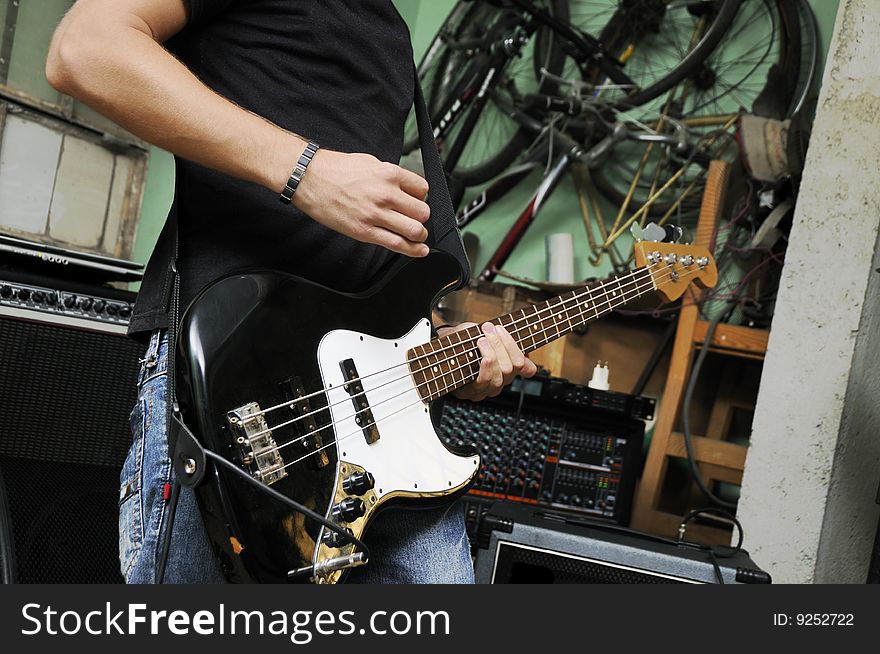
column 636, row 231
column 653, row 232
column 673, row 234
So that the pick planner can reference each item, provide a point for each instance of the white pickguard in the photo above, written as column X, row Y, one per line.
column 408, row 456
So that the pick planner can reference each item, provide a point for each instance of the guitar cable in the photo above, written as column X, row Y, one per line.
column 296, row 506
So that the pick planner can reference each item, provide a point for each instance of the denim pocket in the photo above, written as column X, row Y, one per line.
column 131, row 519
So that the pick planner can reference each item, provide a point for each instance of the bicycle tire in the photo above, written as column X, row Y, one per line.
column 785, row 16
column 439, row 72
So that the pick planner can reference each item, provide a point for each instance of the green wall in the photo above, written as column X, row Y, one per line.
column 560, row 214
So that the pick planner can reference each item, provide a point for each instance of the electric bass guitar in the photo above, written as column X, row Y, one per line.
column 326, row 398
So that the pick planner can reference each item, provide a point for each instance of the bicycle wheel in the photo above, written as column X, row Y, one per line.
column 742, row 70
column 488, row 137
column 656, row 43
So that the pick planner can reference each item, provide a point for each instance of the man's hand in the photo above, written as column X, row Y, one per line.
column 366, row 199
column 502, row 360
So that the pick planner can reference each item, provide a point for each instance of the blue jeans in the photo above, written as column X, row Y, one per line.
column 424, row 546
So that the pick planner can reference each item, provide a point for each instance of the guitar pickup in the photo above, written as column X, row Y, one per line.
column 363, row 414
column 308, row 433
column 256, row 445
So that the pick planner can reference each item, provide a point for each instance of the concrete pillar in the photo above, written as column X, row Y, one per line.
column 813, row 467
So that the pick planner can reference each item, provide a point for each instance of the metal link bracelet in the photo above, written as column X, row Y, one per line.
column 298, row 171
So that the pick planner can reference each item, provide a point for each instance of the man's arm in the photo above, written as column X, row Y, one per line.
column 108, row 54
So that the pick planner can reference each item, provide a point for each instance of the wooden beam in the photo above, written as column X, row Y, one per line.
column 707, row 450
column 734, row 337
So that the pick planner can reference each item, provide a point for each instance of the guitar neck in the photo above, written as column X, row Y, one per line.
column 449, row 362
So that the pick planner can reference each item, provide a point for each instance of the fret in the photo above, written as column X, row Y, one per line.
column 431, row 370
column 554, row 316
column 461, row 357
column 419, row 377
column 621, row 295
column 522, row 330
column 569, row 297
column 535, row 328
column 455, row 361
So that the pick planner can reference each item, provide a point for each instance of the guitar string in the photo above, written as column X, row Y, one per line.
column 361, row 428
column 579, row 294
column 604, row 288
column 545, row 339
column 628, row 295
column 465, row 343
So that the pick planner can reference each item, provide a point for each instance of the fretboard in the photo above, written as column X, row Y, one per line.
column 449, row 362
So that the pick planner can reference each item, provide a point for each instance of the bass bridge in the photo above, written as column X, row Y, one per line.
column 258, row 450
column 256, row 445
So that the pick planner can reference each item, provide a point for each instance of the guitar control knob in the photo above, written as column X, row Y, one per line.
column 125, row 311
column 85, row 303
column 332, row 539
column 358, row 483
column 349, row 509
column 5, row 291
column 99, row 306
column 70, row 301
column 112, row 309
column 24, row 294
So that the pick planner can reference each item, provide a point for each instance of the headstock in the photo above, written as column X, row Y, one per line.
column 674, row 265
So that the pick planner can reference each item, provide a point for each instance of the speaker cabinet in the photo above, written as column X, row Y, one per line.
column 66, row 393
column 530, row 546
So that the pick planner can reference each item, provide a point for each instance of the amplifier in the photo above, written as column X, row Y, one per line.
column 67, row 385
column 528, row 545
column 29, row 296
column 547, row 442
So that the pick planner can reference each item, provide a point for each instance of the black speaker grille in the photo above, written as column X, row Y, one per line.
column 522, row 565
column 66, row 394
column 64, row 519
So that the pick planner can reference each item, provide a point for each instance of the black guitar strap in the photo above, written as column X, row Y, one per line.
column 443, row 231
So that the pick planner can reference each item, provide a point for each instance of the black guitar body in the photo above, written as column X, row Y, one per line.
column 253, row 338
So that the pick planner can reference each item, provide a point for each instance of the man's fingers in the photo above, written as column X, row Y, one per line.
column 409, row 229
column 517, row 358
column 414, row 185
column 409, row 206
column 505, row 365
column 529, row 369
column 489, row 380
column 395, row 242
